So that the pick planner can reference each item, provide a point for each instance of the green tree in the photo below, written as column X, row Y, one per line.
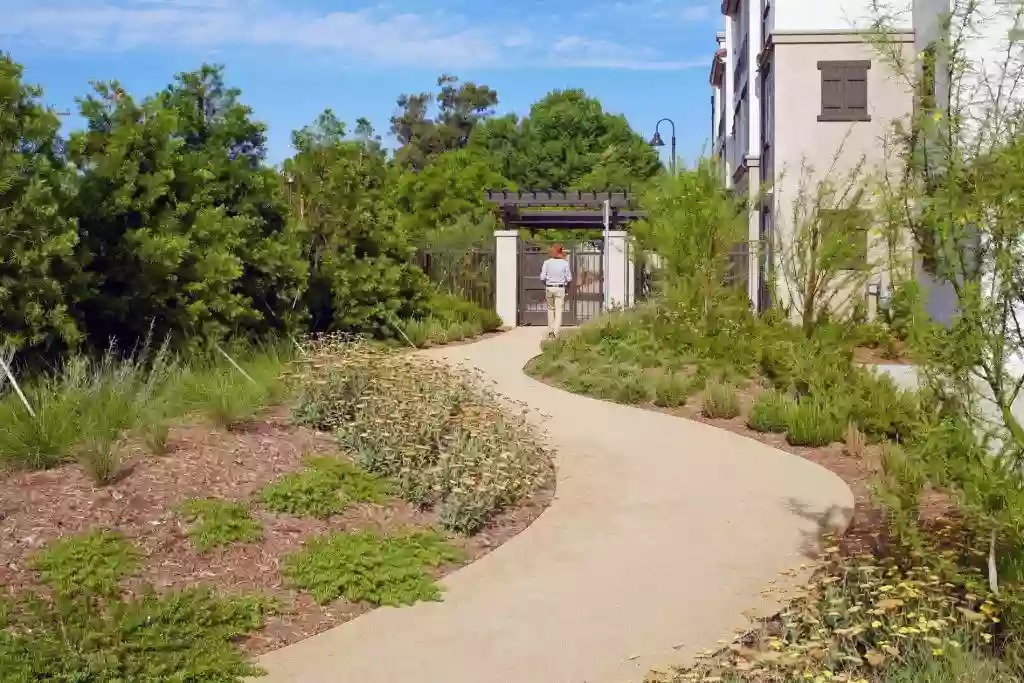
column 567, row 142
column 459, row 109
column 359, row 256
column 692, row 224
column 37, row 239
column 445, row 204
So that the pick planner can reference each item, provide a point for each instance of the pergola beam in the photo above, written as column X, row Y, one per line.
column 592, row 200
column 566, row 219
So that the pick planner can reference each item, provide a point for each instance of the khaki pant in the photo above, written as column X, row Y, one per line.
column 555, row 297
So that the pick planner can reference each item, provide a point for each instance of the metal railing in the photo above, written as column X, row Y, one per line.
column 469, row 274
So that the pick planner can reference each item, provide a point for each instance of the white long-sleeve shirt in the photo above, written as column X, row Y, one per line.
column 556, row 272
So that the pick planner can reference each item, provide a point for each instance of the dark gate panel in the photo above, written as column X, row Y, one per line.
column 585, row 298
column 533, row 309
column 587, row 294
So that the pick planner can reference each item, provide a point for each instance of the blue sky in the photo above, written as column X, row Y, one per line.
column 647, row 59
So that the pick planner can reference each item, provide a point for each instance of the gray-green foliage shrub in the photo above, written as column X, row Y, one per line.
column 442, row 437
column 770, row 412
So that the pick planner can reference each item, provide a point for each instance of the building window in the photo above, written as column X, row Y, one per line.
column 844, row 91
column 767, row 123
column 739, row 72
column 741, row 126
column 850, row 252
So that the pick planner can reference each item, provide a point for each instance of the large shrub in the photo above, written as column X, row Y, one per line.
column 182, row 233
column 37, row 237
column 361, row 274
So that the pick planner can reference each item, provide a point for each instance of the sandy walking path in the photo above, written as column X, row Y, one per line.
column 663, row 532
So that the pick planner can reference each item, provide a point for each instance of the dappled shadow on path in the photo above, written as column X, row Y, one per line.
column 829, row 523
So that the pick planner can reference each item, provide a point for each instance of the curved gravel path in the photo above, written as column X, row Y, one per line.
column 662, row 534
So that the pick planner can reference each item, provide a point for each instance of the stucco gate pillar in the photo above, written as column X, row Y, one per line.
column 616, row 270
column 506, row 276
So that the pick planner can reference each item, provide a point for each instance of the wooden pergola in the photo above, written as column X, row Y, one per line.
column 539, row 210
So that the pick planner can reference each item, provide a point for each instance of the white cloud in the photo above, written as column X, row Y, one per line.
column 677, row 11
column 381, row 35
column 397, row 39
column 582, row 52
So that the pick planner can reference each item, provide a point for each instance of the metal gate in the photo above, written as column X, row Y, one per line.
column 585, row 298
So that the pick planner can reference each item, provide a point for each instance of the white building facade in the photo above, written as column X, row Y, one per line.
column 808, row 92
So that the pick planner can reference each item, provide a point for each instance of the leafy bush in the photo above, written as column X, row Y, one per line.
column 882, row 410
column 630, row 387
column 91, row 563
column 692, row 224
column 814, row 422
column 389, row 570
column 218, row 522
column 770, row 412
column 720, row 402
column 448, row 319
column 326, row 487
column 440, row 435
column 181, row 636
column 452, row 309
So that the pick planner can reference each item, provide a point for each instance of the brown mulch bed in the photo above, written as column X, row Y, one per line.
column 37, row 507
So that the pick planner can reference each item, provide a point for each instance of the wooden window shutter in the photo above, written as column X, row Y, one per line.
column 855, row 90
column 844, row 90
column 831, row 91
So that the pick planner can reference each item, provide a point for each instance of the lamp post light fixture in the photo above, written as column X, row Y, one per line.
column 656, row 141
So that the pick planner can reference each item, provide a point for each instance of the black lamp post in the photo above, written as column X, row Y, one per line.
column 656, row 141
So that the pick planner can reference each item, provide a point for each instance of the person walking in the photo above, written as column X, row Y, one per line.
column 556, row 276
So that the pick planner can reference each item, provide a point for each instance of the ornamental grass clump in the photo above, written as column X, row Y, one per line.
column 721, row 402
column 770, row 412
column 440, row 434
